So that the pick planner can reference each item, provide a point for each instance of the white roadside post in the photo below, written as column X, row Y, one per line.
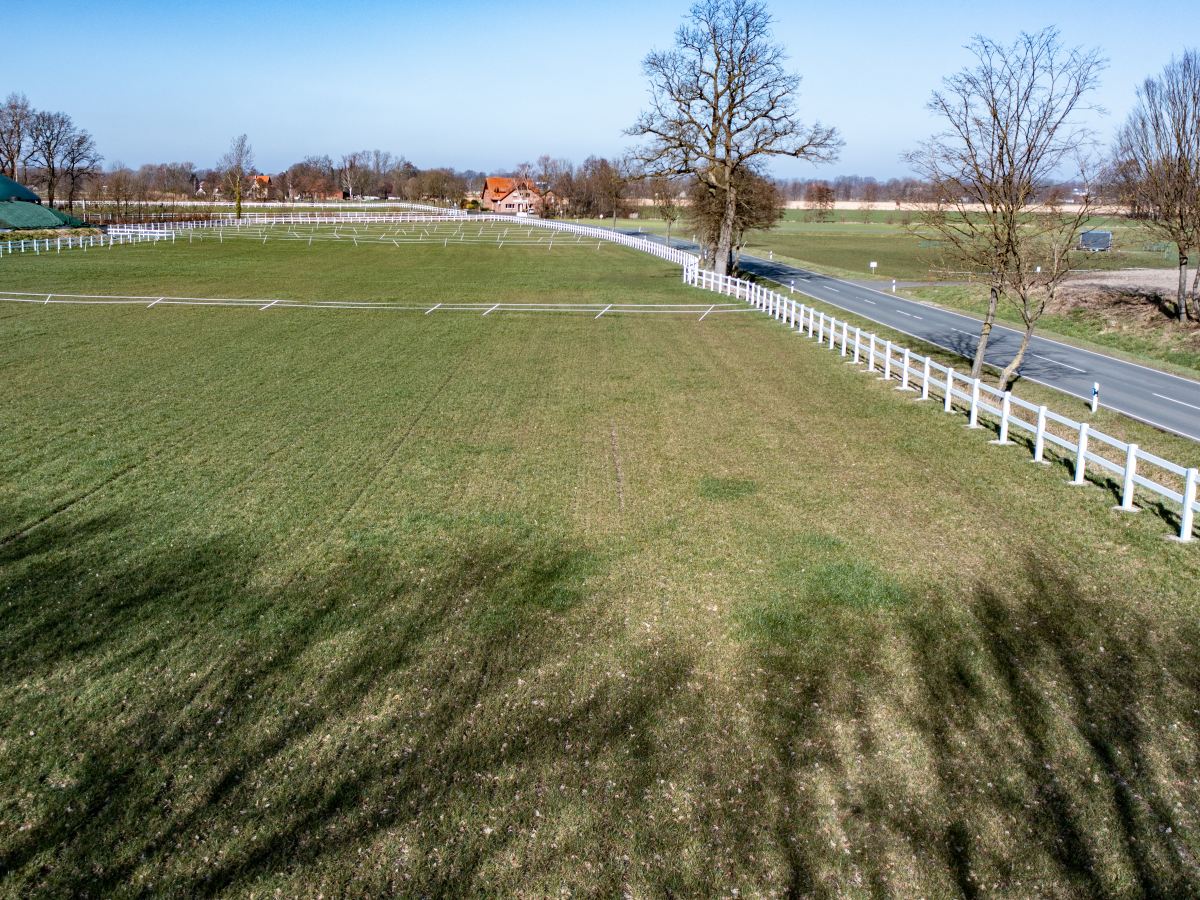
column 1081, row 444
column 1095, row 396
column 874, row 265
column 1127, row 482
column 893, row 285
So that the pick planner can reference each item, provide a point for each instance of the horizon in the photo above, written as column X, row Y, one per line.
column 416, row 84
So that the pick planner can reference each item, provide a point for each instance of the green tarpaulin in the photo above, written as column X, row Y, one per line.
column 10, row 190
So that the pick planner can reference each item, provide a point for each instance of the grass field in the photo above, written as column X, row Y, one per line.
column 351, row 602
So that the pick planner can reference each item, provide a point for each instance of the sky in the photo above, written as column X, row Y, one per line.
column 489, row 85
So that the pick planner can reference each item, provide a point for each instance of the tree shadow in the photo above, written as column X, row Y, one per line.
column 1039, row 741
column 245, row 732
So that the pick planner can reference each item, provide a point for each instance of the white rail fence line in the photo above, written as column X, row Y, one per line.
column 1135, row 468
column 39, row 246
column 700, row 310
column 432, row 215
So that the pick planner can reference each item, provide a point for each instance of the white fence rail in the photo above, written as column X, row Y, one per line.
column 1134, row 468
column 128, row 234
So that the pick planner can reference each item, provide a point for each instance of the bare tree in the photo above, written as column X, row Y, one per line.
column 722, row 101
column 1157, row 161
column 50, row 134
column 235, row 167
column 665, row 192
column 1012, row 122
column 14, row 133
column 80, row 161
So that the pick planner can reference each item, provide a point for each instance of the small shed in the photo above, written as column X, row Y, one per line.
column 1095, row 241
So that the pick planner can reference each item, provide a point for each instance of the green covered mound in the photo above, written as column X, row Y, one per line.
column 20, row 215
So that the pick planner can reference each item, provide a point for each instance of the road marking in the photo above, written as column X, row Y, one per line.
column 493, row 309
column 903, row 313
column 431, row 309
column 706, row 312
column 1057, row 363
column 1173, row 400
column 960, row 331
column 268, row 306
column 603, row 311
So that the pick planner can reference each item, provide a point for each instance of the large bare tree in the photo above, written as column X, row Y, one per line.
column 1013, row 120
column 50, row 134
column 14, row 133
column 1156, row 161
column 721, row 102
column 235, row 167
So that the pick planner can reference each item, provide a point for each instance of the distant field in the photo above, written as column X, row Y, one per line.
column 356, row 602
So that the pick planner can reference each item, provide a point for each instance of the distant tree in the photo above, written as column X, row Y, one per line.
column 1156, row 162
column 665, row 192
column 14, row 133
column 236, row 166
column 721, row 101
column 820, row 198
column 312, row 177
column 80, row 161
column 1011, row 124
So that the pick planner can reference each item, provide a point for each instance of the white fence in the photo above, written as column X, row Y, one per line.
column 424, row 214
column 1133, row 467
column 130, row 234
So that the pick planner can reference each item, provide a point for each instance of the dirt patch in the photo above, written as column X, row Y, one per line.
column 1128, row 299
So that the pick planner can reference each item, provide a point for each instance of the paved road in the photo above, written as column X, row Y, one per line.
column 1155, row 397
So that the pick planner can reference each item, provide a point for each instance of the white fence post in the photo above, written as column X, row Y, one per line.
column 1081, row 443
column 948, row 400
column 1005, row 414
column 845, row 334
column 857, row 344
column 1039, row 437
column 925, row 380
column 1189, row 505
column 832, row 332
column 1127, row 484
column 871, row 354
column 887, row 361
column 973, row 420
column 904, row 371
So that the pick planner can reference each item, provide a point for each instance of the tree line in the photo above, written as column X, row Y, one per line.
column 46, row 149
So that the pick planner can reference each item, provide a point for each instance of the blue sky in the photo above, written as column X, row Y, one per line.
column 485, row 85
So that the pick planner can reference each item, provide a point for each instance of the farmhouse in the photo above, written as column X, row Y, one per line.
column 510, row 195
column 20, row 208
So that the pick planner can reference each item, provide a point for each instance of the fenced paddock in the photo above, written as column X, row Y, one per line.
column 1144, row 479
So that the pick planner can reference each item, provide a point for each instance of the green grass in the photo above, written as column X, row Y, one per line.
column 356, row 603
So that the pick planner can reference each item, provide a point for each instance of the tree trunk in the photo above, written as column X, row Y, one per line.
column 985, row 332
column 1182, row 304
column 1007, row 375
column 725, row 238
column 237, row 199
column 1196, row 295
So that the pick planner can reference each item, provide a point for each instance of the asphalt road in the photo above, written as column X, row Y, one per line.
column 1158, row 398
